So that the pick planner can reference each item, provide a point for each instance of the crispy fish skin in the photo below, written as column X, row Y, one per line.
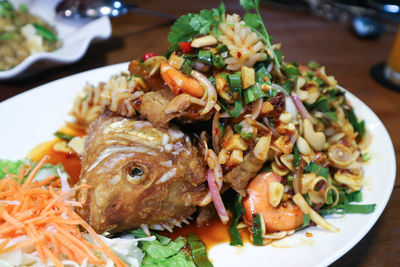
column 139, row 174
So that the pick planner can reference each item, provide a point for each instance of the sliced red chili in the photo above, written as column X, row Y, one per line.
column 148, row 55
column 186, row 47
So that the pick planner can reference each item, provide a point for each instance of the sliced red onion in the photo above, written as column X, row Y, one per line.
column 198, row 65
column 291, row 107
column 273, row 130
column 294, row 138
column 301, row 108
column 257, row 106
column 211, row 91
column 216, row 197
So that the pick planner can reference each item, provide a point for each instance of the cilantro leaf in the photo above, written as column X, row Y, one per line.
column 249, row 4
column 181, row 30
column 255, row 22
column 200, row 24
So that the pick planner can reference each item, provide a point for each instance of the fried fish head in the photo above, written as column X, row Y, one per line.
column 138, row 174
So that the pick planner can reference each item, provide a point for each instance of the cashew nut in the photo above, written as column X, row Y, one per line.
column 313, row 94
column 303, row 146
column 301, row 93
column 315, row 139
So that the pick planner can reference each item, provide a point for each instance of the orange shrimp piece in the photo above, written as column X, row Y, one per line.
column 179, row 82
column 287, row 216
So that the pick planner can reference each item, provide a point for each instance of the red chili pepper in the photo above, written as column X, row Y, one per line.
column 186, row 47
column 148, row 55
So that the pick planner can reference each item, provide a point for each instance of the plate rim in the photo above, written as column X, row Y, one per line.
column 119, row 67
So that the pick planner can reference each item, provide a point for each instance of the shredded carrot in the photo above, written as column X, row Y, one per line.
column 45, row 214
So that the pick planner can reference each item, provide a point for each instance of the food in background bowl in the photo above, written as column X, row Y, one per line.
column 23, row 34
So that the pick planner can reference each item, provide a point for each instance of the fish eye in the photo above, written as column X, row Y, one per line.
column 136, row 173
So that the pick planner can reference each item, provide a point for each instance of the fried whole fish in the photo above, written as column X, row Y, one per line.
column 140, row 176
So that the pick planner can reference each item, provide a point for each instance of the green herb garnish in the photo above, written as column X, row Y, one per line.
column 198, row 251
column 253, row 93
column 45, row 33
column 237, row 211
column 255, row 22
column 257, row 230
column 317, row 169
column 64, row 136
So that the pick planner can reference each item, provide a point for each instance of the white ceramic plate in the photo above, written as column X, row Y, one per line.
column 76, row 37
column 32, row 117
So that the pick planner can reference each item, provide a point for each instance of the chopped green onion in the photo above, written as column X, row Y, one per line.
column 212, row 80
column 222, row 48
column 271, row 121
column 296, row 156
column 237, row 211
column 187, row 67
column 317, row 169
column 272, row 92
column 205, row 56
column 366, row 156
column 257, row 230
column 45, row 33
column 218, row 61
column 198, row 251
column 253, row 93
column 307, row 198
column 288, row 86
column 355, row 196
column 329, row 197
column 235, row 81
column 64, row 136
column 364, row 209
column 261, row 73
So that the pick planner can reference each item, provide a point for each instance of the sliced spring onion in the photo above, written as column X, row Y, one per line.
column 261, row 73
column 212, row 80
column 198, row 251
column 235, row 81
column 237, row 210
column 45, row 33
column 218, row 61
column 205, row 56
column 253, row 93
column 355, row 196
column 222, row 48
column 317, row 169
column 364, row 209
column 64, row 136
column 257, row 230
column 187, row 67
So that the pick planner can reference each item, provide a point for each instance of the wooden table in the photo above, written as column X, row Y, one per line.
column 304, row 38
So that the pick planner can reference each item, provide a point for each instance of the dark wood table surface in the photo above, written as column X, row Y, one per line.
column 304, row 38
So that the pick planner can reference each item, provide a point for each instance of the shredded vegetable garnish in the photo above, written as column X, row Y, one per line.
column 43, row 212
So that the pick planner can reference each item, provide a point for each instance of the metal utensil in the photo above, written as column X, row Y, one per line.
column 97, row 8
